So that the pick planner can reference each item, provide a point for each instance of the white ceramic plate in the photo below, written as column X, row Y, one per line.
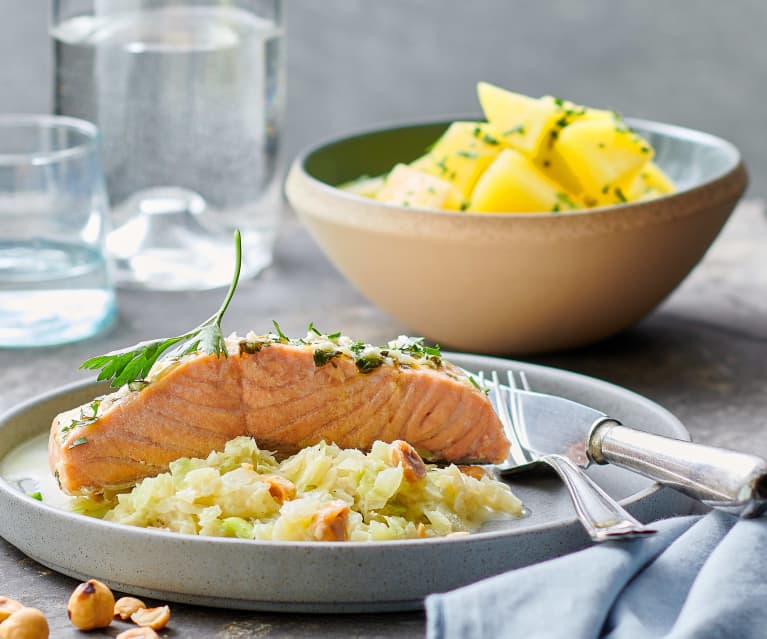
column 311, row 577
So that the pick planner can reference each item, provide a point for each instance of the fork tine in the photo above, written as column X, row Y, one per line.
column 518, row 414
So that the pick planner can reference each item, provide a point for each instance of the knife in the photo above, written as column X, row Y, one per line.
column 722, row 479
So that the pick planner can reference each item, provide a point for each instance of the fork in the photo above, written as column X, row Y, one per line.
column 601, row 516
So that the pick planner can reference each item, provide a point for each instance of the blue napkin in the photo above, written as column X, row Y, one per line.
column 698, row 577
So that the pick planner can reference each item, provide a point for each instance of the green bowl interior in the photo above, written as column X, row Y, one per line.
column 690, row 157
column 371, row 153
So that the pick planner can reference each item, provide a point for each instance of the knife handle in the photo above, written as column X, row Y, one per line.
column 722, row 479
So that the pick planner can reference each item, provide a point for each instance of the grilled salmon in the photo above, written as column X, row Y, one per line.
column 287, row 394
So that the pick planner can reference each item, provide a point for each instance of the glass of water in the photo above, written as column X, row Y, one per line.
column 55, row 283
column 188, row 97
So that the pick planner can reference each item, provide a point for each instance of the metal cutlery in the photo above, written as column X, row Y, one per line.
column 601, row 516
column 723, row 479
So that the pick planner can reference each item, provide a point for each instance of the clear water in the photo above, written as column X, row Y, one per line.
column 52, row 293
column 188, row 100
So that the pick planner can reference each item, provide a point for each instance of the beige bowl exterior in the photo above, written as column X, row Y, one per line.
column 515, row 283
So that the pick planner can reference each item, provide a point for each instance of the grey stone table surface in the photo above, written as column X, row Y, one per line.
column 702, row 354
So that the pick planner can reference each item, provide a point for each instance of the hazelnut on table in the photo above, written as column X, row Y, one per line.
column 154, row 618
column 8, row 607
column 138, row 633
column 25, row 623
column 91, row 606
column 126, row 606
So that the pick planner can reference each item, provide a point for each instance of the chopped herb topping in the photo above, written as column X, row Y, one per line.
column 566, row 199
column 464, row 206
column 601, row 145
column 323, row 357
column 489, row 139
column 467, row 154
column 404, row 351
column 644, row 149
column 282, row 336
column 520, row 129
column 370, row 362
column 555, row 208
column 605, row 189
column 442, row 165
column 559, row 102
column 36, row 495
column 620, row 194
column 84, row 419
column 78, row 442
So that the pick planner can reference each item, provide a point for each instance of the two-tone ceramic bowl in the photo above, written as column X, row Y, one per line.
column 515, row 283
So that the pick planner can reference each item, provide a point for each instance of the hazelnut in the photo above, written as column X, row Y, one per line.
column 330, row 521
column 477, row 472
column 413, row 468
column 8, row 607
column 138, row 633
column 280, row 488
column 25, row 623
column 126, row 606
column 91, row 606
column 154, row 618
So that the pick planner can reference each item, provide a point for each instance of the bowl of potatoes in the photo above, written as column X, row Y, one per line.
column 543, row 226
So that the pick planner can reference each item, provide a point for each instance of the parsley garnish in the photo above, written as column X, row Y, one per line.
column 566, row 199
column 36, row 495
column 78, row 442
column 323, row 357
column 520, row 129
column 280, row 334
column 467, row 154
column 620, row 194
column 134, row 362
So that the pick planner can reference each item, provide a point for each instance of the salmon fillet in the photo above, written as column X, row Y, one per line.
column 285, row 394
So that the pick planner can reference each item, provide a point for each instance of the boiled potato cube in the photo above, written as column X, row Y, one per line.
column 601, row 153
column 364, row 185
column 548, row 159
column 461, row 155
column 550, row 162
column 573, row 112
column 523, row 123
column 513, row 184
column 650, row 178
column 407, row 186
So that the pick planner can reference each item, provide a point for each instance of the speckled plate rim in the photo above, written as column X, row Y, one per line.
column 309, row 577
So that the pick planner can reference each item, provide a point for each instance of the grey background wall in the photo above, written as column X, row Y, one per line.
column 352, row 63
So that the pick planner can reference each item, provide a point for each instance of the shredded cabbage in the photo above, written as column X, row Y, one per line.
column 322, row 492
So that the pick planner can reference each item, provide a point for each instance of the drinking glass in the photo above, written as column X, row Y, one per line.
column 55, row 283
column 188, row 97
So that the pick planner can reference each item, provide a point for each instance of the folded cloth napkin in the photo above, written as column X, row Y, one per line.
column 702, row 577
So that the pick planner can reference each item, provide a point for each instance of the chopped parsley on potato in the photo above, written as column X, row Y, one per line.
column 531, row 155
